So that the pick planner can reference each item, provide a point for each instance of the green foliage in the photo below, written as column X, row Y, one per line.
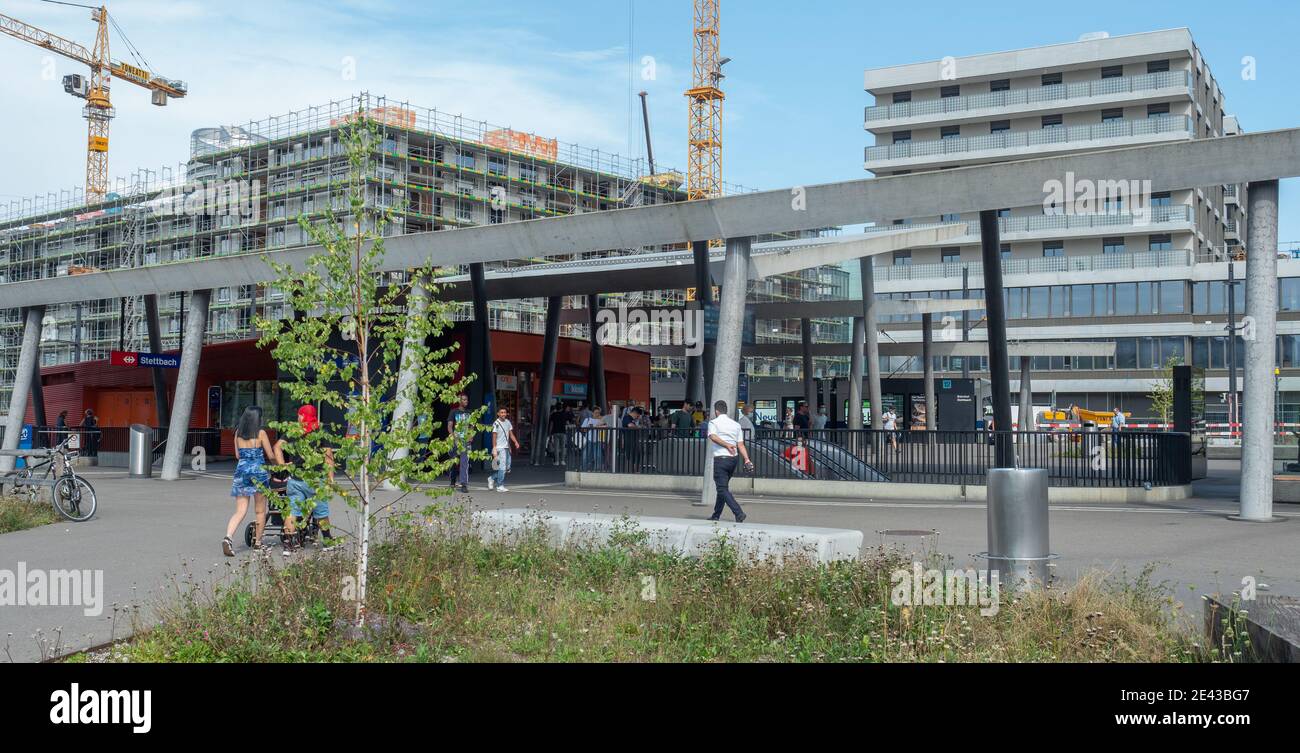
column 17, row 514
column 1162, row 392
column 354, row 326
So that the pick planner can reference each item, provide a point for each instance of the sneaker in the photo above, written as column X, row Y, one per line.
column 741, row 518
column 492, row 483
column 228, row 547
column 502, row 488
column 464, row 488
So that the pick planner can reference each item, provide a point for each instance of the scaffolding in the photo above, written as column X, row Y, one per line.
column 245, row 187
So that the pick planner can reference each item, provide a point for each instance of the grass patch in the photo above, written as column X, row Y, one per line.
column 17, row 514
column 439, row 595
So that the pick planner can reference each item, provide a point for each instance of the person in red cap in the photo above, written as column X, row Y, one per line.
column 296, row 490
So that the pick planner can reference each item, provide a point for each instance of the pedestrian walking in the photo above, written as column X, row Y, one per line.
column 461, row 434
column 253, row 446
column 728, row 441
column 503, row 436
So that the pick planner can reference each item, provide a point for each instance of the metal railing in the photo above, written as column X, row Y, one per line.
column 1054, row 222
column 92, row 442
column 1089, row 263
column 1054, row 93
column 1037, row 137
column 1072, row 458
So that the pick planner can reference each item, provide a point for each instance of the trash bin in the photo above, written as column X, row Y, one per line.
column 1017, row 526
column 140, row 452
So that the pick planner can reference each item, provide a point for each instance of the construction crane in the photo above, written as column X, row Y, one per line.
column 704, row 154
column 98, row 110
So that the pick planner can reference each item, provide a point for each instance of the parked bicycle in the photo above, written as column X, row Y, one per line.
column 71, row 495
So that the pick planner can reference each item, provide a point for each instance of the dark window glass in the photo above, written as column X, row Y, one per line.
column 1112, row 245
column 999, row 126
column 900, row 97
column 1161, row 242
column 1101, row 300
column 949, row 132
column 949, row 91
column 1157, row 110
column 1053, row 248
column 901, row 137
column 1116, row 113
column 951, row 255
column 1161, row 199
column 1125, row 353
column 1004, row 251
column 1125, row 298
column 1080, row 300
column 1038, row 302
column 1053, row 121
column 1051, row 79
column 1112, row 71
column 1288, row 294
column 1000, row 85
column 1171, row 297
column 1157, row 66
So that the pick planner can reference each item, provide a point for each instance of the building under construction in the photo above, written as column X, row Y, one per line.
column 245, row 187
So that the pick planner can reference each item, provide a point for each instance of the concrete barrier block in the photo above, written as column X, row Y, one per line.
column 691, row 538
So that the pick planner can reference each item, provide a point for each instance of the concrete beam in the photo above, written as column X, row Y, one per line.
column 1268, row 155
column 940, row 348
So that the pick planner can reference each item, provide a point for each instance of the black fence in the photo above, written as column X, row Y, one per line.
column 1080, row 459
column 91, row 442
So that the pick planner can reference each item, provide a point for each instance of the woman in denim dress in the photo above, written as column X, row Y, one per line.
column 253, row 447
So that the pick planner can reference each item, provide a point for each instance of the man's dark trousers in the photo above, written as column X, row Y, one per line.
column 723, row 469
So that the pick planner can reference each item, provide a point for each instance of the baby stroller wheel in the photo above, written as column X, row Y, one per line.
column 249, row 531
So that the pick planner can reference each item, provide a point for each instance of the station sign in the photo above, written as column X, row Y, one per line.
column 133, row 359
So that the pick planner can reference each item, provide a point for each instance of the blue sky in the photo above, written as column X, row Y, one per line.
column 571, row 69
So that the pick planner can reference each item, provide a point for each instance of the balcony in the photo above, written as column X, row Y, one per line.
column 1091, row 263
column 1026, row 144
column 1160, row 219
column 1057, row 97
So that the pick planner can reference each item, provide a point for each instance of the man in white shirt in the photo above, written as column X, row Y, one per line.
column 727, row 439
column 820, row 420
column 503, row 435
column 889, row 419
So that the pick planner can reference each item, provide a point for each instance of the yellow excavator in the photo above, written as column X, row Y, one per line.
column 1081, row 415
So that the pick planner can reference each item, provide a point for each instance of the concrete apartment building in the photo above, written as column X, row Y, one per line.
column 1152, row 279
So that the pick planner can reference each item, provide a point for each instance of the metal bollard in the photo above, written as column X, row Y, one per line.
column 140, row 452
column 1017, row 526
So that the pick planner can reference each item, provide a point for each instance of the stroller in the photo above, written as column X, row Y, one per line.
column 277, row 507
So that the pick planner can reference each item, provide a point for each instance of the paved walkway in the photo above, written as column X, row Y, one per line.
column 147, row 533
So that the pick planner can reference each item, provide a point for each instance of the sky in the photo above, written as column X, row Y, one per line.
column 571, row 69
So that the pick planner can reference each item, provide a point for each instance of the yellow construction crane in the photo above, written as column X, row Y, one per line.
column 98, row 110
column 704, row 156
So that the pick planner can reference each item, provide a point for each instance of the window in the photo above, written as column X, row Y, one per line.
column 1053, row 121
column 1051, row 79
column 950, row 132
column 528, row 173
column 1060, row 296
column 1053, row 248
column 1000, row 126
column 1004, row 251
column 1125, row 298
column 901, row 97
column 1037, row 303
column 1000, row 85
column 1161, row 199
column 465, row 159
column 1172, row 297
column 1111, row 115
column 1112, row 71
column 950, row 218
column 1003, row 213
column 1112, row 245
column 1157, row 66
column 1080, row 300
column 902, row 258
column 1101, row 295
column 1288, row 294
column 902, row 137
column 1158, row 110
column 1125, row 353
column 949, row 91
column 951, row 255
column 1161, row 242
column 496, row 164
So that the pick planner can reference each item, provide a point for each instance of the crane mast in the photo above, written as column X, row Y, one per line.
column 704, row 153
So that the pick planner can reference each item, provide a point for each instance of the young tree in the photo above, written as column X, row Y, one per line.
column 1162, row 390
column 357, row 347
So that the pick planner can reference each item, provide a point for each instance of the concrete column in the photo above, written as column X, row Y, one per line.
column 596, row 362
column 965, row 320
column 155, row 346
column 482, row 390
column 546, row 390
column 927, row 368
column 699, row 369
column 1257, row 414
column 872, row 355
column 417, row 306
column 809, row 385
column 855, row 372
column 995, row 308
column 186, row 380
column 731, row 320
column 38, row 403
column 1026, row 395
column 28, row 359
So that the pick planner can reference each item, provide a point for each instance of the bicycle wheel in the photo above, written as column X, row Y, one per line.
column 74, row 498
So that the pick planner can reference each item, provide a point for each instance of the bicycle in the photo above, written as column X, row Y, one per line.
column 72, row 496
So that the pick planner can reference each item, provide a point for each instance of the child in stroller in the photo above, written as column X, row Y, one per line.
column 286, row 492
